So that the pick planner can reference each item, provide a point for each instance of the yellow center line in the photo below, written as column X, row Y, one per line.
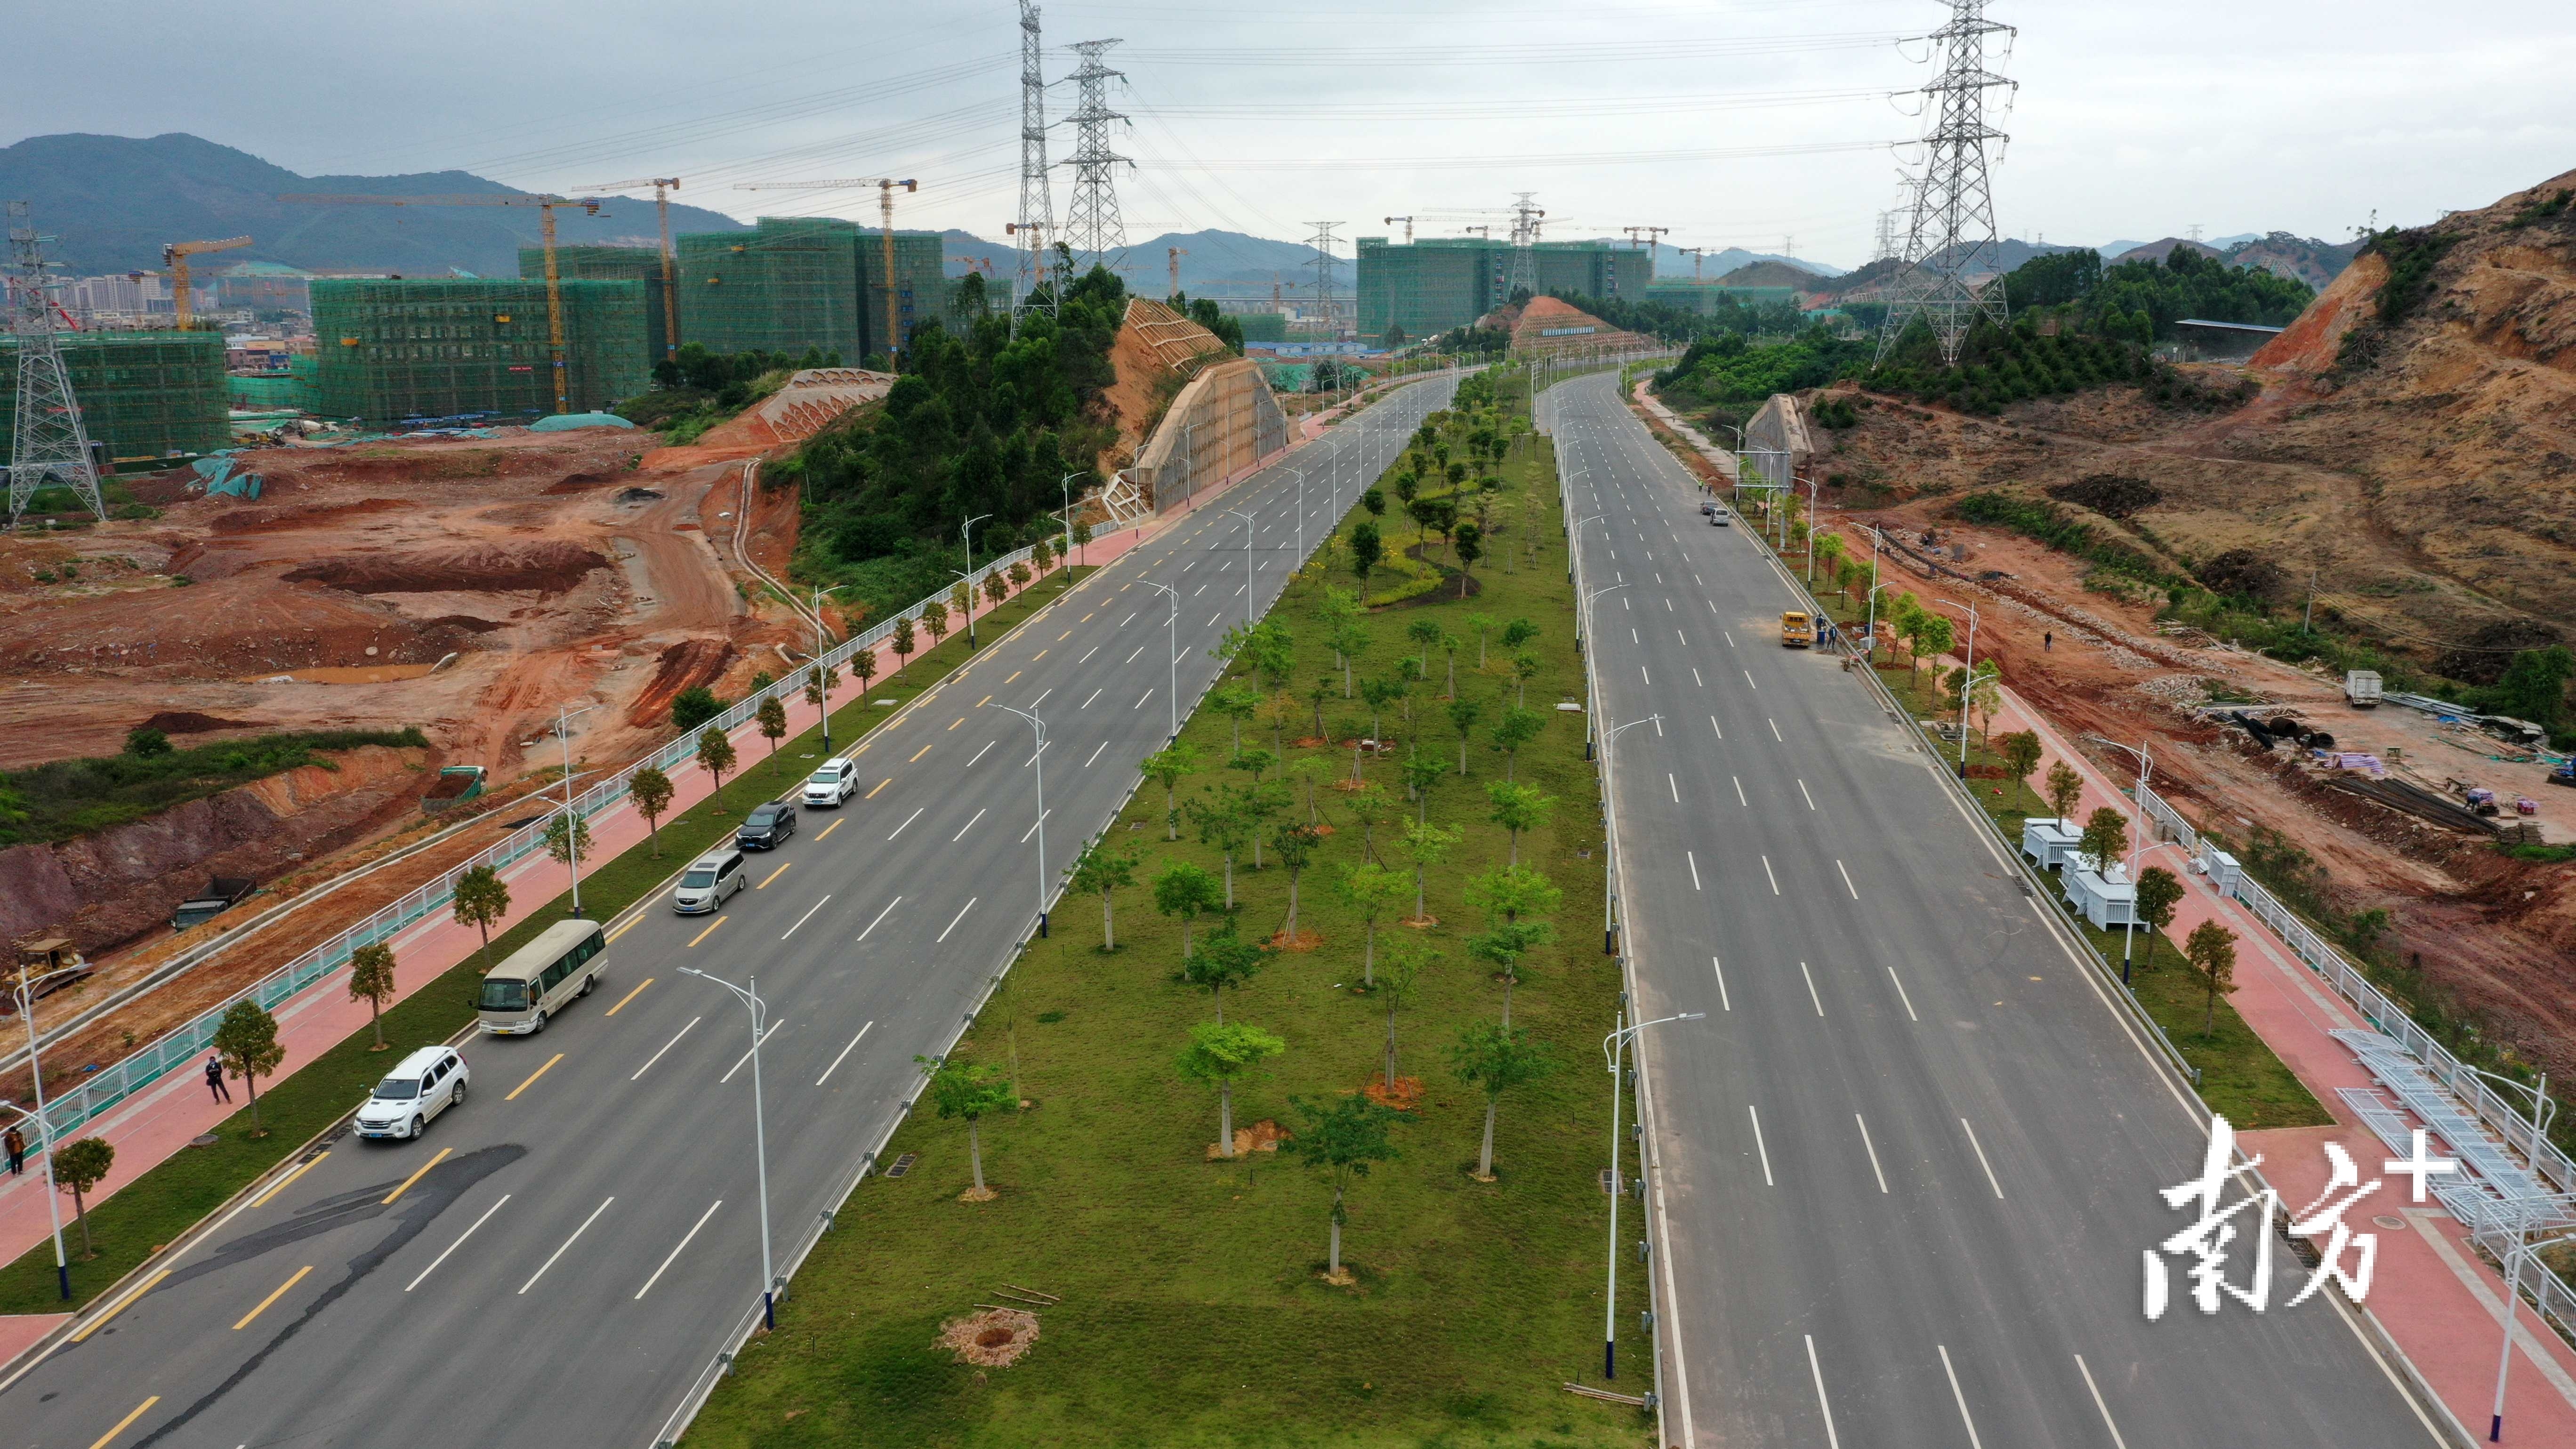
column 872, row 794
column 121, row 1425
column 272, row 1298
column 1085, row 619
column 773, row 875
column 709, row 931
column 631, row 923
column 1067, row 634
column 863, row 749
column 417, row 1176
column 961, row 719
column 550, row 1062
column 835, row 825
column 620, row 1006
column 262, row 1199
column 917, row 754
column 1014, row 675
column 987, row 699
column 1034, row 658
column 100, row 1322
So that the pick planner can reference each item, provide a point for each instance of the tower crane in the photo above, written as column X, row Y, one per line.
column 1646, row 236
column 1408, row 227
column 885, row 186
column 1694, row 253
column 1174, row 255
column 175, row 257
column 662, row 186
column 545, row 206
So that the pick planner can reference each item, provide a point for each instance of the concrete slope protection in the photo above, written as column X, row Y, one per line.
column 557, row 1260
column 1910, row 1160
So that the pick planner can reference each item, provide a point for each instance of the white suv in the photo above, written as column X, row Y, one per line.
column 832, row 784
column 420, row 1086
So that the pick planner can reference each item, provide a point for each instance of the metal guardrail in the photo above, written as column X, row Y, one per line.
column 107, row 1087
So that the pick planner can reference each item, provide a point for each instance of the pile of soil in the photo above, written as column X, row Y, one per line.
column 2112, row 495
column 549, row 567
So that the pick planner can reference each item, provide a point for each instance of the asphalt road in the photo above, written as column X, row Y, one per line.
column 1911, row 1159
column 556, row 1261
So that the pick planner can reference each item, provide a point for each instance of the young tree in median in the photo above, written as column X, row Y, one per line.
column 1237, row 703
column 1496, row 1059
column 1368, row 548
column 2211, row 950
column 1369, row 889
column 1482, row 624
column 1401, row 983
column 371, row 980
column 651, row 791
column 904, row 644
column 1220, row 1052
column 1344, row 1138
column 2021, row 751
column 1518, row 808
column 1378, row 694
column 1296, row 846
column 1425, row 632
column 1185, row 892
column 1224, row 959
column 481, row 899
column 773, row 721
column 1222, row 822
column 2159, row 891
column 1427, row 845
column 715, row 756
column 247, row 1045
column 2065, row 788
column 962, row 1090
column 1370, row 808
column 1420, row 774
column 1165, row 767
column 1350, row 641
column 1463, row 714
column 1517, row 633
column 1468, row 542
column 2105, row 839
column 1516, row 728
column 1102, row 869
column 78, row 1169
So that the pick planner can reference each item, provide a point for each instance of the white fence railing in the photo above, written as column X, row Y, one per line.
column 2511, row 1123
column 105, row 1088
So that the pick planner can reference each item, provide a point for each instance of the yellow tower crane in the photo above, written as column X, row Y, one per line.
column 175, row 257
column 545, row 206
column 662, row 186
column 885, row 186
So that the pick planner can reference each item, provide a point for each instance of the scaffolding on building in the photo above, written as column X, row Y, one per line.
column 788, row 284
column 144, row 396
column 398, row 351
column 610, row 264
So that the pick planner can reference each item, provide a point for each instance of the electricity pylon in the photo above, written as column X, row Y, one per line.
column 1091, row 222
column 1952, row 229
column 50, row 446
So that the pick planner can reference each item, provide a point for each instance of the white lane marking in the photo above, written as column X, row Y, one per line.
column 809, row 915
column 1042, row 694
column 1095, row 754
column 1990, row 1179
column 961, row 915
column 1140, row 700
column 1033, row 828
column 1766, row 871
column 979, row 754
column 881, row 915
column 1641, row 672
column 1086, row 704
column 1720, row 968
column 1758, row 1149
column 1624, row 606
column 1739, row 788
column 961, row 834
column 1811, row 988
column 1749, row 684
column 1872, row 1149
column 1130, row 619
column 1086, row 658
column 746, row 1056
column 2116, row 1441
column 1659, row 725
column 675, row 1252
column 1632, row 637
column 1193, row 563
column 1684, row 638
column 1712, row 724
column 1973, row 1441
column 1901, row 996
column 845, row 1051
column 657, row 1056
column 907, row 820
column 1847, row 884
column 1694, row 868
column 1695, row 679
column 460, row 1242
column 1775, row 727
column 568, row 1242
column 1802, row 790
column 1673, row 785
column 1730, row 637
column 1212, row 618
column 1668, row 604
column 1132, row 657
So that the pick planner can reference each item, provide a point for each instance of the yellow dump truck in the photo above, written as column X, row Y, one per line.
column 1797, row 631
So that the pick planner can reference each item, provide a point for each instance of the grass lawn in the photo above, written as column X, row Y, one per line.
column 1194, row 1308
column 147, row 1213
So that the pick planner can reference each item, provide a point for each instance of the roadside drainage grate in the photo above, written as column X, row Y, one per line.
column 902, row 1164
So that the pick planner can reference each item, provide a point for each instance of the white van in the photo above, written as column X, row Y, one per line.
column 420, row 1086
column 541, row 977
column 709, row 880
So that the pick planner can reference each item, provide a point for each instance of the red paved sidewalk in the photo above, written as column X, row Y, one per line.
column 2436, row 1298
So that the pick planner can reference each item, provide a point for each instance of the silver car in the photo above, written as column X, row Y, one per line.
column 709, row 880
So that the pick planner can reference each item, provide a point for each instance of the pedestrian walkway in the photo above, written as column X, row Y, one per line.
column 2436, row 1299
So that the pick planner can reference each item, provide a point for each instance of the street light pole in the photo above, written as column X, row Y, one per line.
column 1173, row 628
column 1066, row 484
column 572, row 822
column 1247, row 564
column 2542, row 1109
column 1968, row 686
column 25, row 991
column 749, row 995
column 968, row 529
column 1615, row 1046
column 1610, row 836
column 2137, row 832
column 1038, row 760
column 819, row 686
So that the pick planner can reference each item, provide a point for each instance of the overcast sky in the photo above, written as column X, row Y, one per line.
column 1733, row 124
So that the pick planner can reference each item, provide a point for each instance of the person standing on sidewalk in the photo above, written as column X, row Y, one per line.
column 16, row 1141
column 215, row 1087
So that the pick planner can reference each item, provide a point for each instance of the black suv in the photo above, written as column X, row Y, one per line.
column 766, row 827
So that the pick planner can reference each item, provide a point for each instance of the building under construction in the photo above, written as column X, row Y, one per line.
column 797, row 282
column 394, row 350
column 144, row 396
column 1433, row 285
column 611, row 264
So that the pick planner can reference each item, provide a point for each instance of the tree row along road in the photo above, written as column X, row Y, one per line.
column 1911, row 1158
column 557, row 1260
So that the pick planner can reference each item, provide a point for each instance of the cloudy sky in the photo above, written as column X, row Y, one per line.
column 1745, row 123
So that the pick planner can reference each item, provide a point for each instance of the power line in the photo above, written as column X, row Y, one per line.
column 1952, row 229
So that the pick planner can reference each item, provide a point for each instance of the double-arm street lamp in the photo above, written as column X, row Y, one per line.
column 967, row 529
column 2542, row 1109
column 1613, row 1048
column 1609, row 835
column 1173, row 628
column 749, row 995
column 1968, row 685
column 820, row 643
column 26, row 988
column 1247, row 563
column 1037, row 758
column 572, row 820
column 2137, row 833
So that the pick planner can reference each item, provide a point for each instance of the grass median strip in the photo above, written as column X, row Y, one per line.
column 156, row 1207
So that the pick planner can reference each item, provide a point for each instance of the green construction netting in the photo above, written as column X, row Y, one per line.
column 398, row 350
column 142, row 394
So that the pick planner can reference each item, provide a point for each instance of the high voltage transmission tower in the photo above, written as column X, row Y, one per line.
column 1091, row 220
column 50, row 445
column 1525, row 220
column 1952, row 230
column 1037, row 207
column 1323, row 263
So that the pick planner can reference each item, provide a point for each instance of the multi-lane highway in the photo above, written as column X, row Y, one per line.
column 1910, row 1160
column 556, row 1261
